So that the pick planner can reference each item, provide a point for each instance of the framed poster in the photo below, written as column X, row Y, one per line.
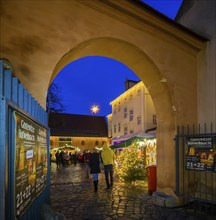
column 30, row 161
column 200, row 153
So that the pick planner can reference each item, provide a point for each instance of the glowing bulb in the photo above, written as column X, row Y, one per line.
column 95, row 109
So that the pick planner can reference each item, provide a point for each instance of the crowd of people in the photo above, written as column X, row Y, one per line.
column 95, row 162
column 64, row 158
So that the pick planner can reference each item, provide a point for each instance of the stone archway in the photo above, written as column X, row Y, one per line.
column 35, row 34
column 148, row 72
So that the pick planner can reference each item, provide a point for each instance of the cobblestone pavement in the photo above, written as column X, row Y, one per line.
column 72, row 195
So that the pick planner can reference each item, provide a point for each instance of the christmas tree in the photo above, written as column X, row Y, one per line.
column 130, row 164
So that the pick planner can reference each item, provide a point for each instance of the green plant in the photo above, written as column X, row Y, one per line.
column 130, row 164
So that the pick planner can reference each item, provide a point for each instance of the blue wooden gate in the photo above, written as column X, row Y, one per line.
column 16, row 102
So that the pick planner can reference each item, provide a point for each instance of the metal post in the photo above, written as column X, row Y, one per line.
column 2, row 156
column 177, row 161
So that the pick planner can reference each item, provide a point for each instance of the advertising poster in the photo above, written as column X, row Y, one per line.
column 30, row 161
column 200, row 153
column 151, row 152
column 41, row 168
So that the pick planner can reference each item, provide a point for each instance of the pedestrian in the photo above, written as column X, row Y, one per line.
column 108, row 157
column 58, row 159
column 61, row 155
column 94, row 163
column 74, row 158
column 87, row 155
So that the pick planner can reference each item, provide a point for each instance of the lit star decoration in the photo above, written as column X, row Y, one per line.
column 95, row 109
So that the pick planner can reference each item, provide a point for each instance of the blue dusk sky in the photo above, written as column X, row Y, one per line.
column 98, row 80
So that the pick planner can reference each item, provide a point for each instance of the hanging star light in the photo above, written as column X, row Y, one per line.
column 95, row 109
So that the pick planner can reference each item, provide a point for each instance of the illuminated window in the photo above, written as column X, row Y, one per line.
column 119, row 107
column 125, row 112
column 131, row 115
column 114, row 111
column 125, row 130
column 114, row 129
column 63, row 141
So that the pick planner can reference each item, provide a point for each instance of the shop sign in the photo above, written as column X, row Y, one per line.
column 30, row 161
column 201, row 153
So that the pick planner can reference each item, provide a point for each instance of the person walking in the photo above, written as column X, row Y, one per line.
column 58, row 159
column 94, row 163
column 87, row 155
column 108, row 157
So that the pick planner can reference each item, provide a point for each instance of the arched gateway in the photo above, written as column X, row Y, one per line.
column 40, row 37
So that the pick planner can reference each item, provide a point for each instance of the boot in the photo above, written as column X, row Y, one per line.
column 95, row 185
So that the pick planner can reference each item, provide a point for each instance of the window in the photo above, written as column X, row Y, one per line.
column 131, row 96
column 114, row 129
column 119, row 107
column 83, row 143
column 119, row 127
column 138, row 91
column 131, row 115
column 131, row 131
column 139, row 120
column 125, row 112
column 96, row 143
column 125, row 130
column 154, row 119
column 114, row 111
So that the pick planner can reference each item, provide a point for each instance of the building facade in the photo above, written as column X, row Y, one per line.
column 132, row 112
column 81, row 132
column 78, row 143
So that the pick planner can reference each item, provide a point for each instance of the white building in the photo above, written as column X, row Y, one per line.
column 132, row 113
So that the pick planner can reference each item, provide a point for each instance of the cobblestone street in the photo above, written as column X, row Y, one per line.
column 73, row 196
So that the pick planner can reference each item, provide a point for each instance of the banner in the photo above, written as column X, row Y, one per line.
column 201, row 153
column 30, row 161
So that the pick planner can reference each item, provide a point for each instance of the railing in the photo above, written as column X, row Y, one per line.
column 196, row 163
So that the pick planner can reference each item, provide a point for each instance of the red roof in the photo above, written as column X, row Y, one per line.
column 75, row 125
